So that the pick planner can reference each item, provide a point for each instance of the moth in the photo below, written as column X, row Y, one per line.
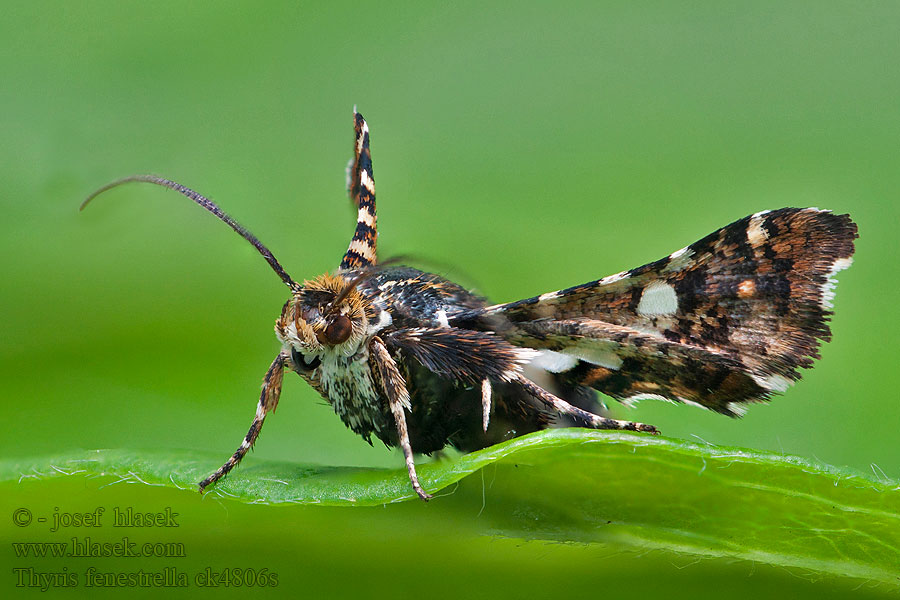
column 420, row 362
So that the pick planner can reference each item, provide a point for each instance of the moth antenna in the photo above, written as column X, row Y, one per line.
column 361, row 187
column 211, row 207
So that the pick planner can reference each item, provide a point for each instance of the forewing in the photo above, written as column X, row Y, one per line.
column 754, row 296
column 361, row 187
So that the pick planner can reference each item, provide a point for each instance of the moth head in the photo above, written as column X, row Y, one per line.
column 326, row 315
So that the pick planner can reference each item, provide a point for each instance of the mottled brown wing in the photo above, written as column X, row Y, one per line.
column 743, row 308
column 361, row 187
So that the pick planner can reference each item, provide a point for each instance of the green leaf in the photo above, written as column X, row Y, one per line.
column 627, row 490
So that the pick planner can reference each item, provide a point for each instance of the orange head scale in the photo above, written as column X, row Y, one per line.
column 325, row 315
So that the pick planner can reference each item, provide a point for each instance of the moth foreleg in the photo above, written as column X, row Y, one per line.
column 398, row 398
column 588, row 418
column 268, row 400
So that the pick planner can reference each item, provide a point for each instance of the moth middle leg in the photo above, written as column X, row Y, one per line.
column 560, row 406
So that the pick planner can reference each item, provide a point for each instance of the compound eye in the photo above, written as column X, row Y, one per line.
column 338, row 330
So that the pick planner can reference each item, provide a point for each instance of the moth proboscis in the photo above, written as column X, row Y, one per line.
column 420, row 362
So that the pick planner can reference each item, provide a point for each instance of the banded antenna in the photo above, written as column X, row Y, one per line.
column 211, row 207
column 361, row 187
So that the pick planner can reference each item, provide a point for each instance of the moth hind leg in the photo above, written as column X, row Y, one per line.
column 588, row 419
column 268, row 400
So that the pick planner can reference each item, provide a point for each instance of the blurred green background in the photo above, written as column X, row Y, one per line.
column 521, row 148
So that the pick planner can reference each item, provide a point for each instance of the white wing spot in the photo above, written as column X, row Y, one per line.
column 366, row 181
column 659, row 298
column 644, row 396
column 692, row 403
column 363, row 249
column 756, row 233
column 830, row 283
column 362, row 135
column 773, row 383
column 679, row 259
column 597, row 353
column 555, row 362
column 614, row 278
column 738, row 409
column 366, row 217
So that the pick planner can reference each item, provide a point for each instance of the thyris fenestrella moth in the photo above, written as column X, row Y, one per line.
column 420, row 362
